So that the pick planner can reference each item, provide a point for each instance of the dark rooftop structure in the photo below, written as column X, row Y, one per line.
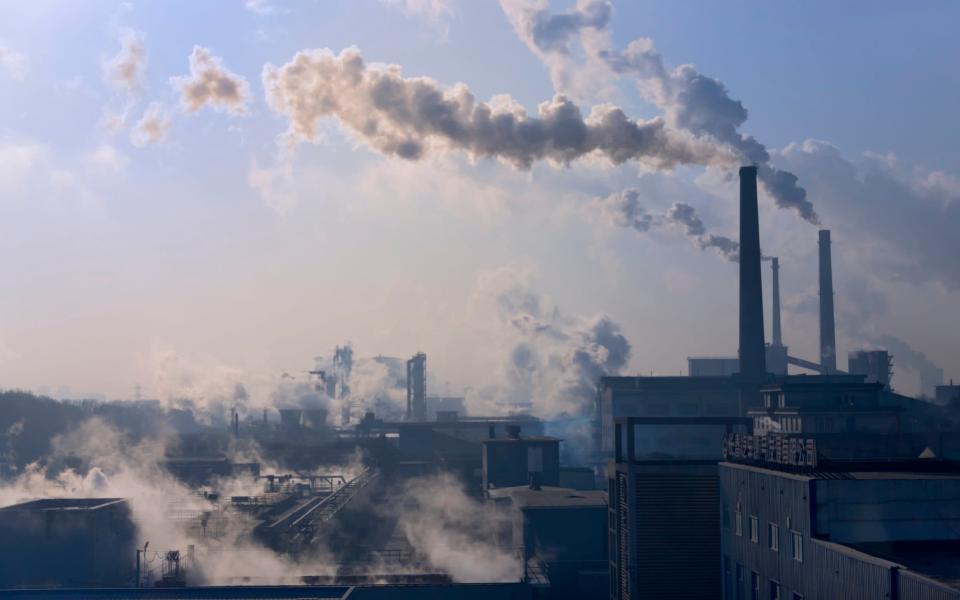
column 91, row 540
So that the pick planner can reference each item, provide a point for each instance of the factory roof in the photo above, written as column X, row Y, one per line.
column 915, row 469
column 551, row 497
column 936, row 559
column 527, row 439
column 65, row 504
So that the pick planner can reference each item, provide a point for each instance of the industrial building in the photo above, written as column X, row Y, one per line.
column 664, row 525
column 514, row 460
column 813, row 529
column 563, row 533
column 67, row 542
column 810, row 405
column 948, row 395
column 875, row 365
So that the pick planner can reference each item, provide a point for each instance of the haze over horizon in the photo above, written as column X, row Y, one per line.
column 198, row 195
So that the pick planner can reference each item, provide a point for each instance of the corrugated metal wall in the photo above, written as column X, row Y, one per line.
column 676, row 524
column 826, row 571
column 912, row 586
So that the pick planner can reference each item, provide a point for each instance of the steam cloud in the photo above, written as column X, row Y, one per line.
column 210, row 84
column 626, row 209
column 152, row 128
column 691, row 101
column 410, row 117
column 549, row 363
column 125, row 70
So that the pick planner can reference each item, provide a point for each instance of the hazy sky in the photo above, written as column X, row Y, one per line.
column 163, row 223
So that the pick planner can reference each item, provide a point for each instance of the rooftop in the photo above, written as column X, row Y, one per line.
column 936, row 559
column 65, row 504
column 515, row 440
column 915, row 469
column 551, row 497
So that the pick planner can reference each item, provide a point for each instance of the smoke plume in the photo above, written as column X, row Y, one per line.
column 549, row 363
column 125, row 70
column 691, row 101
column 152, row 128
column 626, row 209
column 411, row 117
column 210, row 84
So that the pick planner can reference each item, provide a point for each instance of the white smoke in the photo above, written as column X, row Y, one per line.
column 550, row 363
column 152, row 128
column 627, row 209
column 210, row 84
column 125, row 70
column 457, row 534
column 691, row 101
column 411, row 117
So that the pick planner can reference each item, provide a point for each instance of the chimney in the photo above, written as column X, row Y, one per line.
column 775, row 266
column 752, row 354
column 828, row 337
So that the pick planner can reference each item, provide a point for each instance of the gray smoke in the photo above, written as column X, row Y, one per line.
column 625, row 209
column 691, row 101
column 210, row 84
column 410, row 117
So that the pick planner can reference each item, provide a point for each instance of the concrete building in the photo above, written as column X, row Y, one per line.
column 563, row 536
column 876, row 365
column 811, row 405
column 67, row 542
column 513, row 460
column 664, row 526
column 875, row 529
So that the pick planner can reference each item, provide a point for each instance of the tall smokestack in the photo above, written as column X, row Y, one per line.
column 828, row 336
column 775, row 266
column 753, row 366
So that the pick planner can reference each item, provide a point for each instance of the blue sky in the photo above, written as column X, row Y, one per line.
column 162, row 264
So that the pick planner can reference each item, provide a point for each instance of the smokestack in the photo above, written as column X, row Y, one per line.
column 828, row 336
column 753, row 366
column 775, row 266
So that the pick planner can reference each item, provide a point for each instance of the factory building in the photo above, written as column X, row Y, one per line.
column 687, row 397
column 825, row 404
column 563, row 536
column 514, row 460
column 67, row 542
column 854, row 530
column 875, row 365
column 948, row 395
column 664, row 525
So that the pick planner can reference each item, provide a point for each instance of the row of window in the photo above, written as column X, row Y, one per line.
column 773, row 533
column 774, row 591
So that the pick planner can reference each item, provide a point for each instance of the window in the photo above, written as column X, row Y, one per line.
column 773, row 536
column 738, row 594
column 725, row 516
column 796, row 546
column 774, row 590
column 754, row 530
column 738, row 521
column 782, row 400
column 754, row 586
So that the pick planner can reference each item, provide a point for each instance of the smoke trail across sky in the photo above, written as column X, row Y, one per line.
column 691, row 101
